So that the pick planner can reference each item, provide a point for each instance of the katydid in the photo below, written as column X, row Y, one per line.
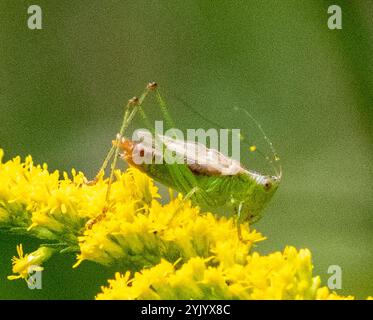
column 216, row 182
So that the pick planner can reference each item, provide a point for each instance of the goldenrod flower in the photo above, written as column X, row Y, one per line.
column 136, row 236
column 280, row 275
column 25, row 264
column 165, row 251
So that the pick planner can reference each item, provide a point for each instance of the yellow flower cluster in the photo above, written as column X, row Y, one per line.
column 141, row 236
column 166, row 251
column 136, row 232
column 286, row 275
column 40, row 202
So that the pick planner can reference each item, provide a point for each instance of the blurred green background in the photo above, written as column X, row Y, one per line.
column 62, row 89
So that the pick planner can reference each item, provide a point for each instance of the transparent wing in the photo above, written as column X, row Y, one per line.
column 238, row 129
column 200, row 159
column 231, row 131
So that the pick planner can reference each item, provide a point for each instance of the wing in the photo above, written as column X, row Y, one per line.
column 202, row 160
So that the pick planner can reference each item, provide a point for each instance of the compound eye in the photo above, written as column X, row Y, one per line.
column 267, row 185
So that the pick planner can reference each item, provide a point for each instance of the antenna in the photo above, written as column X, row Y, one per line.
column 276, row 158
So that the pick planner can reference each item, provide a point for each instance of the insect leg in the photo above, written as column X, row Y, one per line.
column 128, row 117
column 239, row 222
column 192, row 193
column 150, row 87
column 102, row 168
column 129, row 114
column 188, row 196
column 183, row 178
column 164, row 109
column 178, row 173
column 113, row 147
column 185, row 182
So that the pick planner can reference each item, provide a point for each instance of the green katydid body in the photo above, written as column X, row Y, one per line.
column 219, row 182
column 240, row 194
